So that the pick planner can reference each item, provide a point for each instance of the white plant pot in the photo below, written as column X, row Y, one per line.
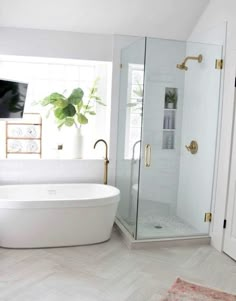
column 170, row 105
column 72, row 141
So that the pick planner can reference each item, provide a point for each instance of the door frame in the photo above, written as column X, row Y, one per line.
column 231, row 183
column 223, row 154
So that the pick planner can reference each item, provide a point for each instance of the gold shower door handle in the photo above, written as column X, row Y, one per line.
column 148, row 155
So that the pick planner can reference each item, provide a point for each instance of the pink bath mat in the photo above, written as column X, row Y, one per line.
column 186, row 291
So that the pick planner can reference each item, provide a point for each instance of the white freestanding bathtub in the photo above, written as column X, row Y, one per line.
column 54, row 215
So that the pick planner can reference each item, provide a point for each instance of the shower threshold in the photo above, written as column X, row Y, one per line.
column 159, row 242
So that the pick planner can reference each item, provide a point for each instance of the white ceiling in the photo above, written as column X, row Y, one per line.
column 157, row 18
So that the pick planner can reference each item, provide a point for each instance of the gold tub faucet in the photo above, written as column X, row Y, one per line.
column 106, row 161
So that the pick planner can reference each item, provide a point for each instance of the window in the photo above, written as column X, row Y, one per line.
column 48, row 75
column 134, row 110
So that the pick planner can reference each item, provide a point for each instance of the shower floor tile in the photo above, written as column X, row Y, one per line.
column 163, row 227
column 158, row 220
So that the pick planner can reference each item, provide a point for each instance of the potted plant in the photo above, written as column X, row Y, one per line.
column 73, row 112
column 171, row 99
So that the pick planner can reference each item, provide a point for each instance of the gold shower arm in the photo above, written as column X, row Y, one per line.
column 196, row 58
column 183, row 66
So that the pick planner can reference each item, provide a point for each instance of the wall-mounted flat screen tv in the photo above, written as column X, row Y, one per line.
column 12, row 98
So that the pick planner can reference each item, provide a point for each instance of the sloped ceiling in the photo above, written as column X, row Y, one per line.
column 155, row 18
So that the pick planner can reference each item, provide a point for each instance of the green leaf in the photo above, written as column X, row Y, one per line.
column 49, row 112
column 92, row 112
column 59, row 114
column 95, row 97
column 139, row 90
column 60, row 124
column 69, row 121
column 46, row 101
column 76, row 96
column 60, row 103
column 101, row 103
column 69, row 110
column 93, row 90
column 82, row 119
column 87, row 107
column 52, row 98
column 79, row 106
column 138, row 93
column 131, row 104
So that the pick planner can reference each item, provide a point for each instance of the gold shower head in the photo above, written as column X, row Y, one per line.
column 183, row 66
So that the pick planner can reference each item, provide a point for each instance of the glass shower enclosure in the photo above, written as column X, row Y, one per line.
column 167, row 134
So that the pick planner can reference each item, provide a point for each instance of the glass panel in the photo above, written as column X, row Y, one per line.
column 179, row 107
column 129, row 130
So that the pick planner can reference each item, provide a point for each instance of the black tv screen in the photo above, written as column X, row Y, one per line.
column 12, row 99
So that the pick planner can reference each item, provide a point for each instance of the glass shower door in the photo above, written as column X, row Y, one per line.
column 129, row 129
column 179, row 133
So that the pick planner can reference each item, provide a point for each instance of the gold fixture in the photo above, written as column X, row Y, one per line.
column 147, row 155
column 219, row 64
column 192, row 147
column 106, row 161
column 208, row 217
column 183, row 66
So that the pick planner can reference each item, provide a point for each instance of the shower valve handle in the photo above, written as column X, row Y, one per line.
column 192, row 147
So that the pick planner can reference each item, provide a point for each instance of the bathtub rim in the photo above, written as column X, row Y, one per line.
column 57, row 203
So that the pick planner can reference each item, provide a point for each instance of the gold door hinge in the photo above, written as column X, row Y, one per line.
column 219, row 64
column 208, row 217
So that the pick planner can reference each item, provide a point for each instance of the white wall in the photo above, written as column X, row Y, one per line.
column 44, row 43
column 50, row 171
column 215, row 14
column 156, row 18
column 55, row 44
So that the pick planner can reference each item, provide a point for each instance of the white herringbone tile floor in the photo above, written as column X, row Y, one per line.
column 109, row 272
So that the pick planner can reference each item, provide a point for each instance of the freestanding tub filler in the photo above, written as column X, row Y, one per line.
column 54, row 215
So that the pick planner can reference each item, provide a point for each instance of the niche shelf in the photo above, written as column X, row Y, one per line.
column 169, row 119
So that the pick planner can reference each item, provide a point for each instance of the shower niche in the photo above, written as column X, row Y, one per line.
column 169, row 118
